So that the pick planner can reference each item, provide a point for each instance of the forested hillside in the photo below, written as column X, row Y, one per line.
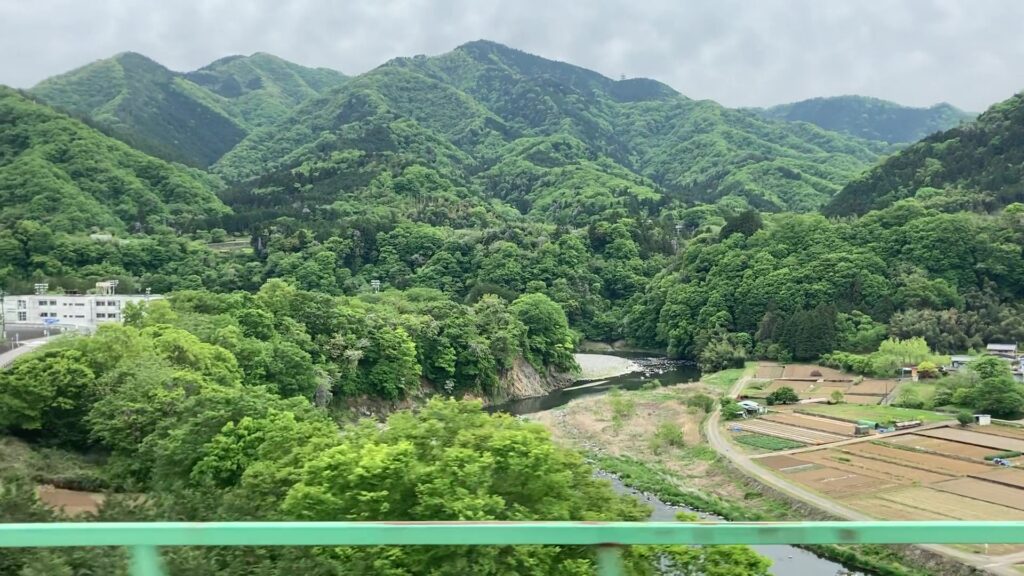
column 870, row 118
column 55, row 170
column 461, row 109
column 192, row 118
column 979, row 165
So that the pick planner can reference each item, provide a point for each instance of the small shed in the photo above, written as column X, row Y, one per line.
column 1002, row 350
column 982, row 419
column 958, row 361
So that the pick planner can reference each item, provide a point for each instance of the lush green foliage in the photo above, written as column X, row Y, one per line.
column 985, row 386
column 976, row 166
column 803, row 285
column 57, row 171
column 783, row 395
column 766, row 442
column 192, row 118
column 870, row 118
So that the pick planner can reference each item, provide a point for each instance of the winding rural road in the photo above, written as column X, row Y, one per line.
column 1002, row 565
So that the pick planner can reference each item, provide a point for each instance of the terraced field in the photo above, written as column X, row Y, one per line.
column 779, row 430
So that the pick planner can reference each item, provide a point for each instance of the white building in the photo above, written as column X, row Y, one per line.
column 69, row 311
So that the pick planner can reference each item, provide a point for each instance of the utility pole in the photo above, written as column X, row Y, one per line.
column 3, row 316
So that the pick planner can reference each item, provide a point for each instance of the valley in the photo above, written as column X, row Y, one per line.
column 475, row 285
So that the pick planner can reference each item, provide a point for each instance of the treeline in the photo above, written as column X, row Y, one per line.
column 207, row 435
column 801, row 285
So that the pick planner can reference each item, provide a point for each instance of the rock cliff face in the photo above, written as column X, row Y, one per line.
column 524, row 381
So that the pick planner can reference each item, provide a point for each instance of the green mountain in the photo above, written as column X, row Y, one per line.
column 464, row 112
column 58, row 171
column 192, row 118
column 870, row 118
column 979, row 165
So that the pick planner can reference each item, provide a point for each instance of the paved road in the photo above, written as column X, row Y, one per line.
column 1001, row 565
column 25, row 347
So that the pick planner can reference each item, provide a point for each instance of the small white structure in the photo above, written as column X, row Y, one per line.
column 752, row 407
column 982, row 419
column 69, row 311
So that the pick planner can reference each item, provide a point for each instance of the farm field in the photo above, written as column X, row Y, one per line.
column 813, row 382
column 813, row 371
column 993, row 441
column 941, row 446
column 853, row 413
column 785, row 431
column 811, row 422
column 769, row 443
column 931, row 474
column 768, row 371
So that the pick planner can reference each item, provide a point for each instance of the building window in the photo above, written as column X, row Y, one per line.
column 101, row 303
column 22, row 316
column 101, row 315
column 112, row 303
column 22, row 304
column 79, row 303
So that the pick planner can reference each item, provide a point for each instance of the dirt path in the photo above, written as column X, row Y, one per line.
column 713, row 432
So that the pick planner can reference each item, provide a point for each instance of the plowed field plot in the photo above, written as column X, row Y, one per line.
column 812, row 422
column 783, row 462
column 769, row 371
column 951, row 505
column 824, row 391
column 838, row 482
column 788, row 432
column 858, row 399
column 1008, row 431
column 932, row 462
column 872, row 467
column 813, row 371
column 883, row 509
column 1008, row 476
column 873, row 387
column 941, row 446
column 981, row 490
column 798, row 386
column 976, row 438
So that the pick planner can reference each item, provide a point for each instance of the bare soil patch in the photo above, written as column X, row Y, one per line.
column 768, row 371
column 811, row 422
column 976, row 438
column 73, row 502
column 940, row 445
column 858, row 399
column 933, row 462
column 786, row 431
column 981, row 490
column 873, row 387
column 1008, row 476
column 836, row 482
column 813, row 371
column 951, row 505
column 873, row 467
column 782, row 462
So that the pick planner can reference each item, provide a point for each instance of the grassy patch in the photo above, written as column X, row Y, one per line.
column 51, row 466
column 725, row 379
column 875, row 413
column 1006, row 454
column 767, row 442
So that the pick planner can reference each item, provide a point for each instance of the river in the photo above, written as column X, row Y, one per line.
column 786, row 560
column 668, row 372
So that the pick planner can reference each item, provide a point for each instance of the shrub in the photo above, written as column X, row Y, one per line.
column 730, row 409
column 702, row 401
column 622, row 407
column 964, row 417
column 668, row 434
column 909, row 398
column 836, row 397
column 927, row 369
column 784, row 395
column 651, row 385
column 1006, row 454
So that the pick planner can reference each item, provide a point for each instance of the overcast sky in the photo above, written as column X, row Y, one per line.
column 738, row 52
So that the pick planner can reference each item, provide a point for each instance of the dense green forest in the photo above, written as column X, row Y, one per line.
column 870, row 118
column 976, row 166
column 193, row 118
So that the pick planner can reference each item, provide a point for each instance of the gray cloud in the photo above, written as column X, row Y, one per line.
column 738, row 52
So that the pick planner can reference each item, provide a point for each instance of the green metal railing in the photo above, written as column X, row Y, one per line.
column 144, row 538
